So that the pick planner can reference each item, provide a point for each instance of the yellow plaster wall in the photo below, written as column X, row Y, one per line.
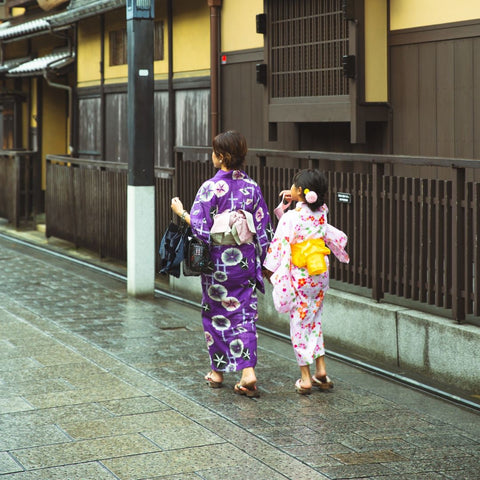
column 191, row 42
column 239, row 25
column 114, row 73
column 418, row 13
column 160, row 67
column 376, row 77
column 88, row 52
column 116, row 20
column 191, row 38
column 54, row 122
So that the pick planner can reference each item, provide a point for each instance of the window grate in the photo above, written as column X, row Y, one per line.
column 308, row 41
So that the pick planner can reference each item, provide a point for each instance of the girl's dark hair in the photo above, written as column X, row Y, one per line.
column 232, row 145
column 315, row 181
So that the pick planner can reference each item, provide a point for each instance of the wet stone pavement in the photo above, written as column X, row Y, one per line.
column 97, row 385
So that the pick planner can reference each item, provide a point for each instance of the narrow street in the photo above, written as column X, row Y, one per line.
column 97, row 385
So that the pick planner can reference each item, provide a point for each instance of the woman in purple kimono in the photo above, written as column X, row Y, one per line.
column 230, row 214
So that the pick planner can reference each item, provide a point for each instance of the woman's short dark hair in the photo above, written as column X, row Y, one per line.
column 315, row 181
column 232, row 145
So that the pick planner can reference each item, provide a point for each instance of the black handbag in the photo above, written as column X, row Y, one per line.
column 196, row 257
column 172, row 248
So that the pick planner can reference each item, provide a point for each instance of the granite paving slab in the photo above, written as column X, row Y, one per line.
column 97, row 385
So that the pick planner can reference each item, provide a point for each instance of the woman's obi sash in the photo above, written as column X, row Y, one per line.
column 230, row 228
column 311, row 254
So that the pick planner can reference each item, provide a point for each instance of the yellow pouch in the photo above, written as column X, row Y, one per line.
column 310, row 254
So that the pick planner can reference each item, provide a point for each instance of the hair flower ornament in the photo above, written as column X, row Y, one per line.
column 310, row 197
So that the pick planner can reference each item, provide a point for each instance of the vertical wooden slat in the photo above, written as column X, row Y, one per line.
column 407, row 228
column 371, row 212
column 423, row 239
column 398, row 240
column 389, row 254
column 476, row 249
column 365, row 243
column 439, row 244
column 415, row 244
column 469, row 252
column 447, row 239
column 355, row 240
column 431, row 243
column 377, row 221
column 458, row 244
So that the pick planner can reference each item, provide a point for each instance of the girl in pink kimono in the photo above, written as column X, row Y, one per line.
column 297, row 264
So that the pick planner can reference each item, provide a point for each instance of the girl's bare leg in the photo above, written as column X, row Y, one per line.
column 306, row 380
column 320, row 367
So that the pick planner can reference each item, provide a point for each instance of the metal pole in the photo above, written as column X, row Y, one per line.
column 141, row 181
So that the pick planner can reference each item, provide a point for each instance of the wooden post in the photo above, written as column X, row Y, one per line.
column 458, row 244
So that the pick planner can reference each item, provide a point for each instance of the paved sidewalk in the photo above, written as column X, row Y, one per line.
column 97, row 385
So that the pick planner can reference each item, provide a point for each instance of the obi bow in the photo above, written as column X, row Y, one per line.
column 311, row 254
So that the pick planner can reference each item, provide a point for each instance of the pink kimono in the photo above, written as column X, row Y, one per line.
column 294, row 290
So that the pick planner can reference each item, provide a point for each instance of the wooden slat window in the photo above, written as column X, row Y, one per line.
column 308, row 41
column 7, row 126
column 158, row 41
column 118, row 45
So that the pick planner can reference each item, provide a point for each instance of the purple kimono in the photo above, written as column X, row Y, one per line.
column 229, row 301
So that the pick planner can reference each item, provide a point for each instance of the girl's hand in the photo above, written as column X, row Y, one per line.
column 286, row 194
column 177, row 206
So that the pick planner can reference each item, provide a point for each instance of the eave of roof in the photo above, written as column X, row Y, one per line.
column 36, row 66
column 76, row 11
column 79, row 10
column 14, row 62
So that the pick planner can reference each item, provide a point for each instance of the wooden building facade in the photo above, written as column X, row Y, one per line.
column 363, row 76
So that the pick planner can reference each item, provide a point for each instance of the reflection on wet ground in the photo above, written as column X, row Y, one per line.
column 97, row 385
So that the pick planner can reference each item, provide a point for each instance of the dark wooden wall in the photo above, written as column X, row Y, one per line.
column 435, row 90
column 116, row 128
column 243, row 103
column 89, row 127
column 244, row 108
column 192, row 120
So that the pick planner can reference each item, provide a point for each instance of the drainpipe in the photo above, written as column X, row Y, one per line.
column 172, row 130
column 102, row 89
column 69, row 89
column 215, row 8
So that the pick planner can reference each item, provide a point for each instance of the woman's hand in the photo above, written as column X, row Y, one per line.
column 177, row 206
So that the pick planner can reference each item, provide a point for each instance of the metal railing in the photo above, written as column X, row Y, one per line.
column 413, row 239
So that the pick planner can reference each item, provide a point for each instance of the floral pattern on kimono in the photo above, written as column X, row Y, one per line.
column 294, row 290
column 229, row 293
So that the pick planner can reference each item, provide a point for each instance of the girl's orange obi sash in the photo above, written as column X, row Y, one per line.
column 311, row 254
